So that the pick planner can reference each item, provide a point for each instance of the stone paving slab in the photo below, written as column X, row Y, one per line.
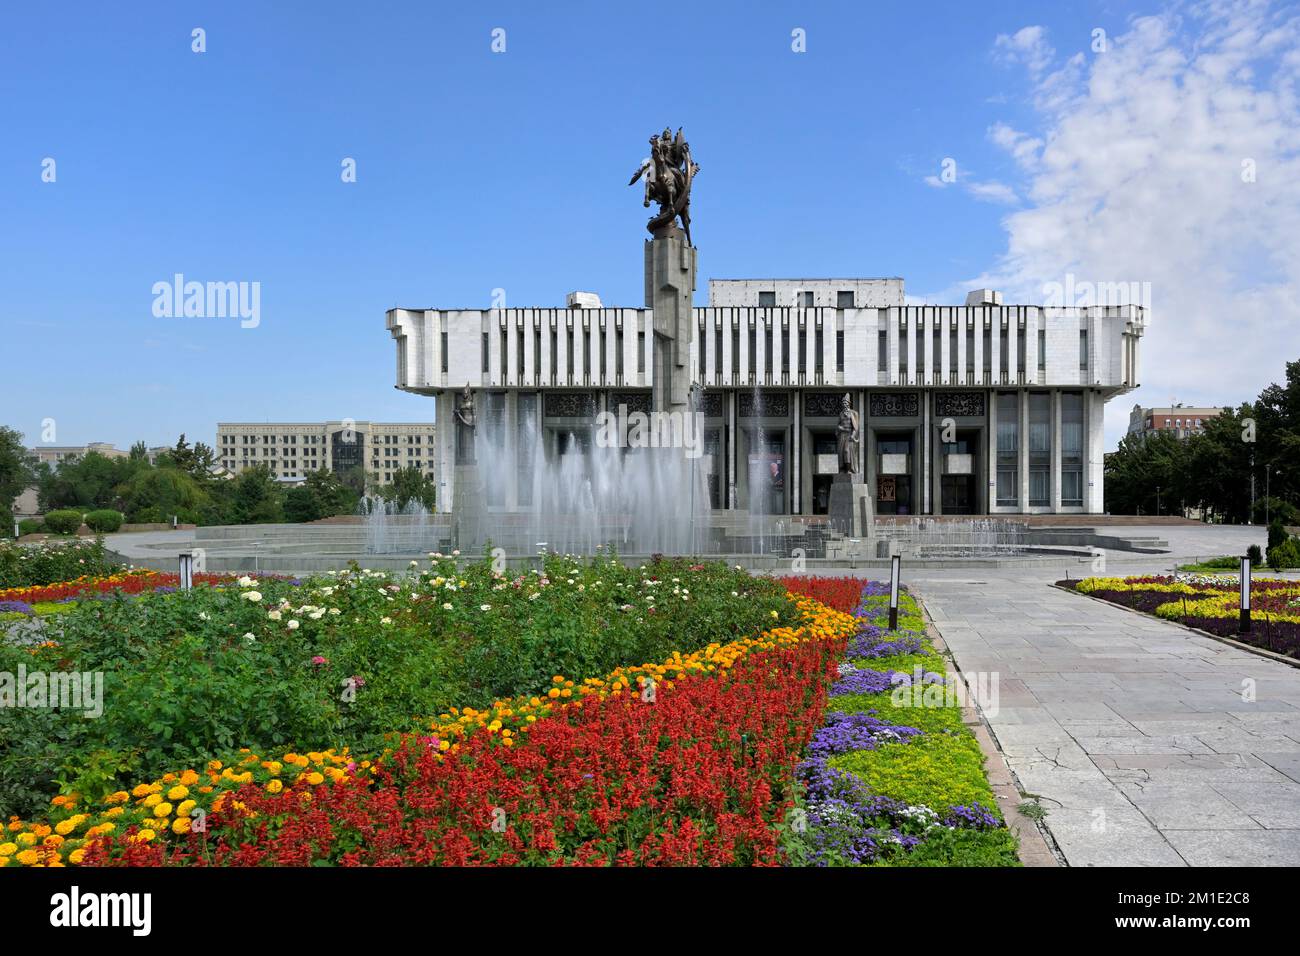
column 1132, row 733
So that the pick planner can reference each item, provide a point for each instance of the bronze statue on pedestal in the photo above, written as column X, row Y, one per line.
column 668, row 173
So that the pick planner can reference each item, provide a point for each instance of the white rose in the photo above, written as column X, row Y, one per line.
column 252, row 596
column 273, row 615
column 446, row 606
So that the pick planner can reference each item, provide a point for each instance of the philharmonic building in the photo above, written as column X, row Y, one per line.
column 973, row 409
column 980, row 408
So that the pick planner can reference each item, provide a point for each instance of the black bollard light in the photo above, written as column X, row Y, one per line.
column 895, row 567
column 1244, row 626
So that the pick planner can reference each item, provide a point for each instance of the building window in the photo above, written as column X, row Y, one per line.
column 1040, row 449
column 839, row 351
column 844, row 300
column 819, row 340
column 806, row 299
column 1008, row 461
column 1042, row 350
column 767, row 300
column 1083, row 350
column 1071, row 449
column 444, row 350
column 882, row 351
column 486, row 365
column 640, row 351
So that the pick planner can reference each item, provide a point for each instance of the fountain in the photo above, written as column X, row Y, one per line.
column 391, row 529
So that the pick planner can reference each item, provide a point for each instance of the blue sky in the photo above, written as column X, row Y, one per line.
column 478, row 170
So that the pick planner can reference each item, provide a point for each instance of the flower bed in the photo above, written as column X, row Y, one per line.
column 1210, row 603
column 840, row 593
column 686, row 761
column 893, row 776
column 135, row 581
column 26, row 565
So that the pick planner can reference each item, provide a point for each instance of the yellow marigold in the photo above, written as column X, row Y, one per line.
column 115, row 812
column 275, row 786
column 153, row 800
column 181, row 825
column 140, row 790
column 189, row 778
column 214, row 764
column 53, row 840
column 315, row 778
column 8, row 849
column 184, row 808
column 77, row 855
column 41, row 830
column 144, row 836
column 4, row 861
column 162, row 811
column 120, row 797
column 64, row 827
column 178, row 793
column 28, row 857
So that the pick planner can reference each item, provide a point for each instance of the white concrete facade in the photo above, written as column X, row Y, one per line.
column 927, row 381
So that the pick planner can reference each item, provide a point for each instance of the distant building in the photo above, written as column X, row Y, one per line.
column 1183, row 420
column 291, row 450
column 53, row 454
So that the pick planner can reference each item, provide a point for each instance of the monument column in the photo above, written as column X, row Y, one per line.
column 669, row 286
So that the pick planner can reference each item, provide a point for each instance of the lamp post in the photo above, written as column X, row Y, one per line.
column 1157, row 501
column 895, row 569
column 1244, row 625
column 186, row 570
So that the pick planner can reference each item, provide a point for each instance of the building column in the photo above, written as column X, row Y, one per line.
column 732, row 453
column 1094, row 414
column 991, row 452
column 1056, row 450
column 795, row 469
column 926, row 443
column 444, row 406
column 1023, row 450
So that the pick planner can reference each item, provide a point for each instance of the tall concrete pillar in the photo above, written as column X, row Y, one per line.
column 670, row 265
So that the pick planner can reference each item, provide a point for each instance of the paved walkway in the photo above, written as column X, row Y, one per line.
column 1136, row 735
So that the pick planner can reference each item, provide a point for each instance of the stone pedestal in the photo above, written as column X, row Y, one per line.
column 468, row 513
column 849, row 507
column 669, row 285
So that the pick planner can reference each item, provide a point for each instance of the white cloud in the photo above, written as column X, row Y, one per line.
column 1028, row 46
column 1024, row 149
column 993, row 191
column 1136, row 174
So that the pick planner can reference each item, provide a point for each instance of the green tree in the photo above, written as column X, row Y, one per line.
column 16, row 471
column 411, row 484
column 156, row 494
column 1147, row 473
column 256, row 497
column 87, row 482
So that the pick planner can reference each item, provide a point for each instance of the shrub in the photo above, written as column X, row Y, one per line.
column 1276, row 533
column 63, row 521
column 104, row 521
column 30, row 526
column 1285, row 555
column 1256, row 556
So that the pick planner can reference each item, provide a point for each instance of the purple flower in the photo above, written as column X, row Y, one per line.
column 16, row 607
column 844, row 732
column 863, row 682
